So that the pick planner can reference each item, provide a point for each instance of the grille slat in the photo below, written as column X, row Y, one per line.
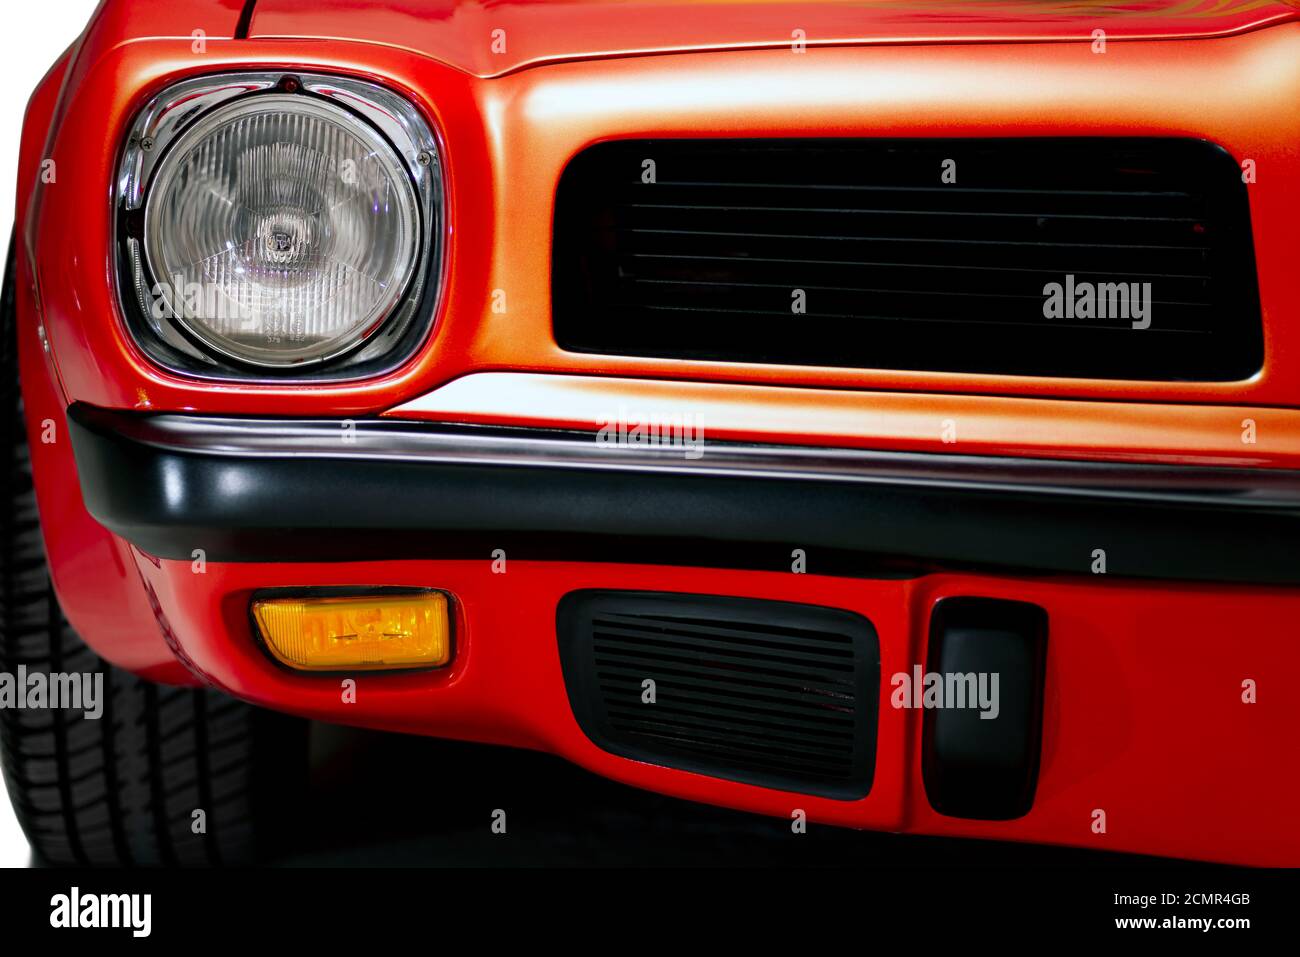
column 702, row 694
column 687, row 653
column 1057, row 257
column 899, row 319
column 739, row 740
column 724, row 759
column 760, row 691
column 900, row 271
column 893, row 211
column 667, row 704
column 687, row 675
column 765, row 262
column 754, row 651
column 751, row 630
column 847, row 238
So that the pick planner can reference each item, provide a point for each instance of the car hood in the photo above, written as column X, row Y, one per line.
column 465, row 33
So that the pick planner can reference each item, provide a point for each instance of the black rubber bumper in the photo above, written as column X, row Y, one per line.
column 266, row 490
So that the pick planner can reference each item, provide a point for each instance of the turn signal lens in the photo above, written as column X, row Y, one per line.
column 357, row 633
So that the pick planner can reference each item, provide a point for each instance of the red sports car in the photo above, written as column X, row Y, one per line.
column 760, row 403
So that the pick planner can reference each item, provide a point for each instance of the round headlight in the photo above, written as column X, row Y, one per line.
column 281, row 229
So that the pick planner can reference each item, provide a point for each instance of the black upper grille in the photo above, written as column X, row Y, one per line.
column 900, row 270
column 766, row 692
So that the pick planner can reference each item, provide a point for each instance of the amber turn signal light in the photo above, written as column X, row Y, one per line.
column 357, row 632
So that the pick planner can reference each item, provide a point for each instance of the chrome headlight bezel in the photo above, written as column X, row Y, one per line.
column 376, row 112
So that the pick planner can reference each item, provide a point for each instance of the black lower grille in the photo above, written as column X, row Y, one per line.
column 764, row 692
column 858, row 253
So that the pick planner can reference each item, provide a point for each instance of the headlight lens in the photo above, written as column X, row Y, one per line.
column 280, row 229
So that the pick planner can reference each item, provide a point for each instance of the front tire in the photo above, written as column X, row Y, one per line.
column 122, row 789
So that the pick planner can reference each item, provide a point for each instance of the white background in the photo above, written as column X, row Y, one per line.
column 32, row 37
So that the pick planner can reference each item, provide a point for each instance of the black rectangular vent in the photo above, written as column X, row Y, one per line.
column 925, row 255
column 765, row 692
column 979, row 763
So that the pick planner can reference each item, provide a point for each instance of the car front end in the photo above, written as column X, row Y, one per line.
column 712, row 377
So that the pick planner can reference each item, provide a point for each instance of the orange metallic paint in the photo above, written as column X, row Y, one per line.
column 982, row 425
column 508, row 139
column 461, row 32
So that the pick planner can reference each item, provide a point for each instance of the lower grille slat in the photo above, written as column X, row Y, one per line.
column 765, row 692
